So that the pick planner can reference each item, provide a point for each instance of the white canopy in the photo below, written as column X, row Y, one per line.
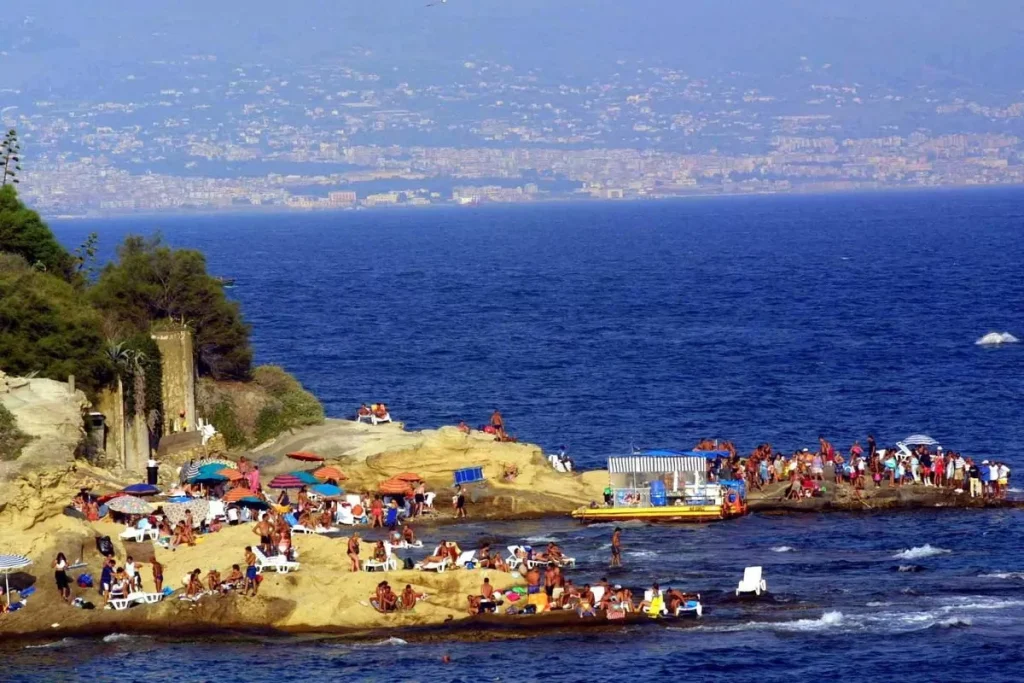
column 920, row 440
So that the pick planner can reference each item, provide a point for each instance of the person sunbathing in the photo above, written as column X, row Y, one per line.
column 325, row 520
column 305, row 520
column 213, row 581
column 387, row 601
column 364, row 411
column 380, row 410
column 587, row 602
column 380, row 554
column 195, row 584
column 474, row 604
column 408, row 535
column 498, row 563
column 234, row 580
column 180, row 536
column 409, row 598
column 463, row 427
column 353, row 551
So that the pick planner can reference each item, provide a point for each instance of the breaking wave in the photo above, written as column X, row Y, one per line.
column 1003, row 575
column 118, row 637
column 997, row 338
column 64, row 642
column 918, row 552
column 783, row 549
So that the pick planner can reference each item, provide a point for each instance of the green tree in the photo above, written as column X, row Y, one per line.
column 23, row 232
column 46, row 328
column 150, row 282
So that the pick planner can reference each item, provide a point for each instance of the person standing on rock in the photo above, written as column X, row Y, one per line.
column 617, row 547
column 152, row 469
column 460, row 503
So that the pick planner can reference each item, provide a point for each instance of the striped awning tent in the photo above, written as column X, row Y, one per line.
column 920, row 440
column 657, row 464
column 8, row 564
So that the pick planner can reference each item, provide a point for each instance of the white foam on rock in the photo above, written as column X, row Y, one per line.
column 783, row 549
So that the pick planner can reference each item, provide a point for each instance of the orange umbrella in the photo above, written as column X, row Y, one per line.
column 231, row 473
column 395, row 487
column 329, row 472
column 408, row 476
column 306, row 456
column 235, row 495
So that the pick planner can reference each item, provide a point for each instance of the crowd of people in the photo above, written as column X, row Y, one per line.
column 805, row 471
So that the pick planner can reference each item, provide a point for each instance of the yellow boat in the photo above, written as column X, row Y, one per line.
column 665, row 486
column 673, row 513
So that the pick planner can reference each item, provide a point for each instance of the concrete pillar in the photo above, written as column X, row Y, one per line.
column 178, row 388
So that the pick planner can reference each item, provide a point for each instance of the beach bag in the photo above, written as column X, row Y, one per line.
column 512, row 596
column 530, row 609
column 408, row 563
column 85, row 581
column 105, row 546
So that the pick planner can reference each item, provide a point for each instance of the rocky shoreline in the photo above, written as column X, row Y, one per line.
column 323, row 598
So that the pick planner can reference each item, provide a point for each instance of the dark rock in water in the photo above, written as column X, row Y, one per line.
column 909, row 568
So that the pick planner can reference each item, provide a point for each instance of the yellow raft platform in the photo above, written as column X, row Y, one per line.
column 667, row 513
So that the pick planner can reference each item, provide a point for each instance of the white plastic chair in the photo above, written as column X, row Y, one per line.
column 752, row 582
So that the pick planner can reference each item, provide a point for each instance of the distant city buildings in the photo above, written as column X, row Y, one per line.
column 342, row 136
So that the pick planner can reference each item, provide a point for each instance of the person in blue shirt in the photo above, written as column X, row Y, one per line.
column 107, row 578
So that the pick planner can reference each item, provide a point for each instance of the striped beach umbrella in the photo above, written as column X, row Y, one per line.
column 224, row 462
column 286, row 481
column 329, row 473
column 408, row 476
column 920, row 440
column 190, row 471
column 230, row 474
column 395, row 487
column 306, row 456
column 8, row 564
column 130, row 505
column 235, row 495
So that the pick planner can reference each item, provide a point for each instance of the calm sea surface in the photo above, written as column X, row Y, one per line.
column 598, row 326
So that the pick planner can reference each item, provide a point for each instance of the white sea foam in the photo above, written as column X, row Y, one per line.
column 783, row 549
column 956, row 622
column 1003, row 575
column 117, row 637
column 641, row 553
column 919, row 552
column 540, row 539
column 996, row 339
column 64, row 642
column 878, row 603
column 392, row 641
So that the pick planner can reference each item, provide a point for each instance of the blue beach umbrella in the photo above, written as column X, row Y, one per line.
column 141, row 490
column 327, row 490
column 209, row 474
column 305, row 477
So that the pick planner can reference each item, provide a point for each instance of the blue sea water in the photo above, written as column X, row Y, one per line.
column 598, row 326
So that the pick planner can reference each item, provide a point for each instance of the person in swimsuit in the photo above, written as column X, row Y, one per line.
column 353, row 551
column 617, row 547
column 550, row 579
column 409, row 598
column 60, row 574
column 486, row 596
column 250, row 572
column 264, row 531
column 158, row 575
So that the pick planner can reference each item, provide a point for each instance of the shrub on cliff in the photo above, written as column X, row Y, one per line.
column 12, row 440
column 24, row 233
column 46, row 328
column 150, row 281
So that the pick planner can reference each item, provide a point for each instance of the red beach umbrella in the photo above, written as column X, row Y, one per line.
column 306, row 456
column 230, row 473
column 408, row 476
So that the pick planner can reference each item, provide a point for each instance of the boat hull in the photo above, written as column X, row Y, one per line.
column 672, row 513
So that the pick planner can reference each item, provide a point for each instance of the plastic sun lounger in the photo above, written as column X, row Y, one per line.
column 464, row 558
column 379, row 420
column 752, row 582
column 438, row 567
column 513, row 560
column 277, row 563
column 139, row 535
column 405, row 544
column 565, row 562
column 145, row 598
column 390, row 563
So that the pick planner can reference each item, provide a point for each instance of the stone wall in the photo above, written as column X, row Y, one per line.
column 178, row 387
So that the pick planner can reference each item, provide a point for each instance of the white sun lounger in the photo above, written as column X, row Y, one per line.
column 513, row 560
column 405, row 544
column 378, row 420
column 598, row 592
column 752, row 582
column 276, row 563
column 139, row 535
column 438, row 567
column 465, row 557
column 566, row 562
column 390, row 562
